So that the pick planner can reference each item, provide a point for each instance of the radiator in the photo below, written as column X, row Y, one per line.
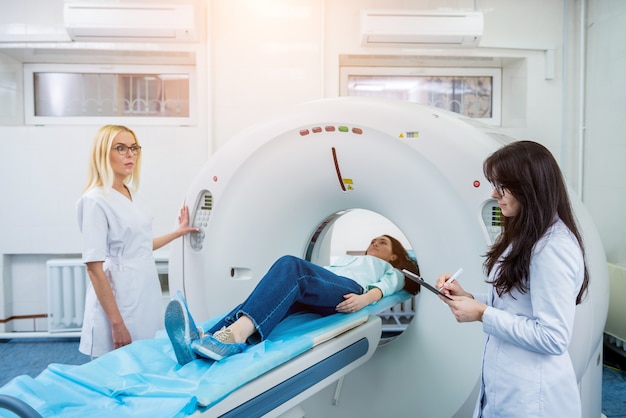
column 67, row 284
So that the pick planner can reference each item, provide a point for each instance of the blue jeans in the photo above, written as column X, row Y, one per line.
column 291, row 285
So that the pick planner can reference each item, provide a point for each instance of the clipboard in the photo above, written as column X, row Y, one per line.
column 414, row 277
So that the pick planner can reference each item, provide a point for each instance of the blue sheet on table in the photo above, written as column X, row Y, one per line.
column 144, row 380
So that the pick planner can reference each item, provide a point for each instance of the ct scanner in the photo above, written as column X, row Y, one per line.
column 277, row 189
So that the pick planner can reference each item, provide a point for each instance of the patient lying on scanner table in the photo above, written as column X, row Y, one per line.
column 290, row 286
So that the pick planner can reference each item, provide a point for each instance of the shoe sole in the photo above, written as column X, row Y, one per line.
column 177, row 329
column 193, row 328
column 203, row 351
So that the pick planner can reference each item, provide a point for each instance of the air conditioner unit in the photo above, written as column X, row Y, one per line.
column 421, row 28
column 129, row 22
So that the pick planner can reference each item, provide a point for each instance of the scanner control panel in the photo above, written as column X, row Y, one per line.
column 200, row 219
column 492, row 218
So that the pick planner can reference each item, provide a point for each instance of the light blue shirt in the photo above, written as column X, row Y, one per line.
column 526, row 369
column 369, row 272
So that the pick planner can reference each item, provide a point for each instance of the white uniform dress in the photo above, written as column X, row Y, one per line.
column 526, row 369
column 118, row 231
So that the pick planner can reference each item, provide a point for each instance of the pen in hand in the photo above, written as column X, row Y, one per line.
column 453, row 277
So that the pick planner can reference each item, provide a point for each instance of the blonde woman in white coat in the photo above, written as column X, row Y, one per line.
column 123, row 302
column 538, row 275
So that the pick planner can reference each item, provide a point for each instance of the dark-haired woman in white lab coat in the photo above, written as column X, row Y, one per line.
column 538, row 275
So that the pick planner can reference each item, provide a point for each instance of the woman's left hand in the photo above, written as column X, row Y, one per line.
column 465, row 309
column 352, row 303
column 183, row 229
column 183, row 222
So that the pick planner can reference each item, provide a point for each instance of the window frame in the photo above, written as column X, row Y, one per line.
column 494, row 72
column 29, row 94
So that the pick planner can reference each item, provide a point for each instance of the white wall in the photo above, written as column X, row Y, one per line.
column 261, row 57
column 605, row 124
column 265, row 56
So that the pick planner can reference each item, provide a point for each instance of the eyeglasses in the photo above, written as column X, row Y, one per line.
column 499, row 189
column 123, row 149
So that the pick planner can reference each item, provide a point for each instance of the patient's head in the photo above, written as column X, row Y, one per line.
column 383, row 248
column 390, row 249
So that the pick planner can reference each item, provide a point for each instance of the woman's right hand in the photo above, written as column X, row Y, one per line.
column 450, row 289
column 463, row 306
column 102, row 287
column 120, row 334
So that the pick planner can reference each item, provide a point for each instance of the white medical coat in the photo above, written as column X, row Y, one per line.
column 526, row 369
column 118, row 231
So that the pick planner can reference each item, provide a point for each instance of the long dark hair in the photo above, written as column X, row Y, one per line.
column 404, row 261
column 530, row 173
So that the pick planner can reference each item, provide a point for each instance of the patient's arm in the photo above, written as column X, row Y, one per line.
column 353, row 302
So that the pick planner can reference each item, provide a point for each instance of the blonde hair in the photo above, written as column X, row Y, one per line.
column 100, row 171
